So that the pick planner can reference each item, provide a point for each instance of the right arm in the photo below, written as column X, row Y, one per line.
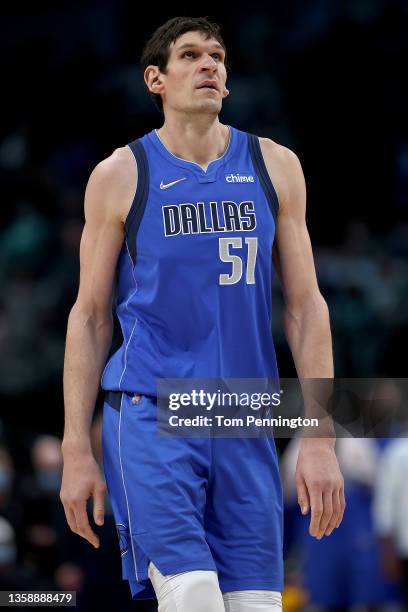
column 108, row 197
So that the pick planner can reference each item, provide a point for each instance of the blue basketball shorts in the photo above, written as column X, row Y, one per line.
column 191, row 503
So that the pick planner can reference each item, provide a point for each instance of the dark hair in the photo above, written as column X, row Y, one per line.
column 157, row 49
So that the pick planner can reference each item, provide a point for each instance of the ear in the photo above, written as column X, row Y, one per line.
column 152, row 78
column 225, row 92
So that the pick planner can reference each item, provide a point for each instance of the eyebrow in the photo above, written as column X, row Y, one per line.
column 196, row 45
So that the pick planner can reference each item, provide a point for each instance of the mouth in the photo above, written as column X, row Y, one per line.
column 208, row 85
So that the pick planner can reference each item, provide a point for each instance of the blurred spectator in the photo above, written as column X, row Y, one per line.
column 6, row 476
column 25, row 304
column 391, row 510
column 47, row 463
column 16, row 576
column 42, row 508
column 8, row 552
column 10, row 504
column 341, row 570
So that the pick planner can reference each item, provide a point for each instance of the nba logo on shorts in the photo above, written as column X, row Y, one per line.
column 121, row 531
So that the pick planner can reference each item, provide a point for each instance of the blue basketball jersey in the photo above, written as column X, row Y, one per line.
column 194, row 276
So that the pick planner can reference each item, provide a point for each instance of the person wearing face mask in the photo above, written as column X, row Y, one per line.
column 49, row 481
column 47, row 462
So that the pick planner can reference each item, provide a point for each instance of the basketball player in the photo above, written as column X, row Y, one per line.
column 187, row 218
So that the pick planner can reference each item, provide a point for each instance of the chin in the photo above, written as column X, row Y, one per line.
column 210, row 106
column 202, row 106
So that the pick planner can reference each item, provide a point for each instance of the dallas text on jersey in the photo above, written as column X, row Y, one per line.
column 207, row 217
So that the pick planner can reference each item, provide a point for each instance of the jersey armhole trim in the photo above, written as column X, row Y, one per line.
column 138, row 206
column 262, row 171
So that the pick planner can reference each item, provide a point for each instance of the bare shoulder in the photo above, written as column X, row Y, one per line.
column 112, row 185
column 284, row 169
column 279, row 155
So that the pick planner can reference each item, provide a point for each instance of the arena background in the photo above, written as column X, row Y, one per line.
column 325, row 78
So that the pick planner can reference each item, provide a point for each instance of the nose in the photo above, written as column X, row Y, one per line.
column 209, row 63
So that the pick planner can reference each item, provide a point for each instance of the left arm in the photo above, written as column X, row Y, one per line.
column 320, row 485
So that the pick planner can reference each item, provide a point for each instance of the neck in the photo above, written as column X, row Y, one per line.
column 200, row 142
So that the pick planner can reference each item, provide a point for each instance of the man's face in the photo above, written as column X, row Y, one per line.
column 195, row 75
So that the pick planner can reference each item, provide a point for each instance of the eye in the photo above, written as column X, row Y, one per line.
column 190, row 53
column 216, row 56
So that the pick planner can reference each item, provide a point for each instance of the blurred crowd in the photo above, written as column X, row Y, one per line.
column 37, row 549
column 363, row 564
column 325, row 81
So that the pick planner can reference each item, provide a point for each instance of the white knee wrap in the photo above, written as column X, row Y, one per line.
column 253, row 601
column 199, row 591
column 194, row 591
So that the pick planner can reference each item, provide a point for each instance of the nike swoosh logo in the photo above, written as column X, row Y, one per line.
column 163, row 186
